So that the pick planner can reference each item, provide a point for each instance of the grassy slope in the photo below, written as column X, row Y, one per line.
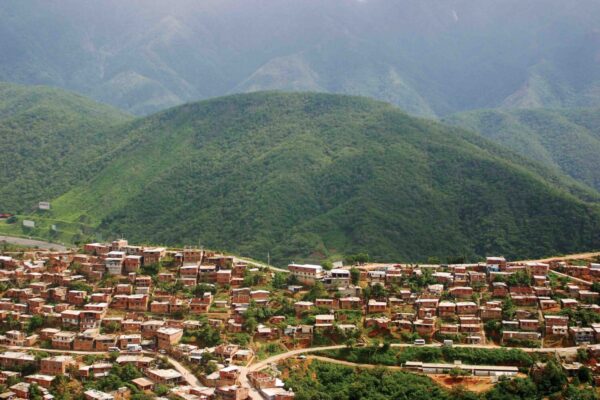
column 311, row 175
column 567, row 139
column 48, row 138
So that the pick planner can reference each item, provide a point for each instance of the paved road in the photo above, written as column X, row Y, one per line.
column 32, row 243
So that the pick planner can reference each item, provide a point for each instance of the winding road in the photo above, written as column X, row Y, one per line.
column 254, row 394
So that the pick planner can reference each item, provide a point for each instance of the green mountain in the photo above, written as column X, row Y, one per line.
column 307, row 176
column 431, row 58
column 565, row 139
column 48, row 137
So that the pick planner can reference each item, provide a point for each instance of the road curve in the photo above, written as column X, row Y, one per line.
column 32, row 243
column 279, row 357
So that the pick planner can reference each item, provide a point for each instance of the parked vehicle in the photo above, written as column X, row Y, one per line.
column 114, row 350
column 134, row 348
column 419, row 342
column 448, row 343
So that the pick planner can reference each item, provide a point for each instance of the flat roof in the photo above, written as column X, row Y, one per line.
column 463, row 366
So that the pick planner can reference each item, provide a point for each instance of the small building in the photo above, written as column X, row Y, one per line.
column 164, row 376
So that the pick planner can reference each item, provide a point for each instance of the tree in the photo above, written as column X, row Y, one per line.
column 80, row 285
column 279, row 280
column 552, row 379
column 572, row 392
column 250, row 324
column 316, row 291
column 456, row 372
column 582, row 355
column 111, row 327
column 161, row 390
column 378, row 291
column 584, row 374
column 519, row 278
column 511, row 389
column 35, row 393
column 64, row 388
column 327, row 265
column 202, row 288
column 35, row 322
column 361, row 258
column 508, row 309
column 354, row 275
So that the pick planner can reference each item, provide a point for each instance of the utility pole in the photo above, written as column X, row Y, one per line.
column 268, row 259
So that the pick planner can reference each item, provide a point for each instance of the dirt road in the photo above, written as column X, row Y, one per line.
column 32, row 243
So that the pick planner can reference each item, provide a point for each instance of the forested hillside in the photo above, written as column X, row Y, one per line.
column 430, row 58
column 48, row 137
column 567, row 139
column 308, row 176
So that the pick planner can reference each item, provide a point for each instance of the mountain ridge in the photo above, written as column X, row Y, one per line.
column 308, row 176
column 423, row 58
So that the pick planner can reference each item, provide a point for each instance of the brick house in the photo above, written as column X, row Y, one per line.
column 150, row 327
column 325, row 303
column 168, row 337
column 104, row 342
column 466, row 307
column 164, row 376
column 301, row 306
column 153, row 255
column 131, row 338
column 529, row 324
column 85, row 341
column 446, row 309
column 132, row 263
column 57, row 365
column 63, row 340
column 201, row 305
column 374, row 306
column 461, row 291
column 556, row 324
column 350, row 303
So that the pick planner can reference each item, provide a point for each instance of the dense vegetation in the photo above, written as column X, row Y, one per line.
column 326, row 381
column 310, row 176
column 398, row 356
column 567, row 139
column 430, row 58
column 47, row 138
